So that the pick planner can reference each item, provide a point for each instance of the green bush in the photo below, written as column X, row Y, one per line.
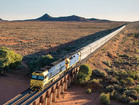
column 104, row 99
column 84, row 73
column 97, row 81
column 123, row 82
column 115, row 95
column 122, row 74
column 40, row 62
column 126, row 99
column 111, row 71
column 88, row 91
column 135, row 102
column 99, row 73
column 130, row 81
column 20, row 67
column 109, row 88
column 136, row 35
column 130, row 92
column 124, row 55
column 118, row 88
column 136, row 88
column 9, row 59
column 85, row 69
column 133, row 74
column 108, row 63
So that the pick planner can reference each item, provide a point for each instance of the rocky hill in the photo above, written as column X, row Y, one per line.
column 47, row 17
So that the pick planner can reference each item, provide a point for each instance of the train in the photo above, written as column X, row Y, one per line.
column 48, row 74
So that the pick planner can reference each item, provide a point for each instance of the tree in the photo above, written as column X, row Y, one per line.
column 84, row 73
column 8, row 59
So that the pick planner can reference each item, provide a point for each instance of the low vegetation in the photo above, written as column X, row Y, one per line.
column 104, row 99
column 84, row 74
column 89, row 91
column 42, row 61
column 8, row 59
column 120, row 77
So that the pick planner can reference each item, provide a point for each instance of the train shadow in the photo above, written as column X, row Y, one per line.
column 67, row 48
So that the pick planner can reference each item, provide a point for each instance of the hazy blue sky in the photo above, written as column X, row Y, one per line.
column 127, row 10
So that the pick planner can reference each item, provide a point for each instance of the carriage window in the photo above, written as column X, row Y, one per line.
column 34, row 77
column 40, row 77
column 50, row 74
column 70, row 57
column 60, row 69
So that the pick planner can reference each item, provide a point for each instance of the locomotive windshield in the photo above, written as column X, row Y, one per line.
column 37, row 77
column 40, row 77
column 34, row 77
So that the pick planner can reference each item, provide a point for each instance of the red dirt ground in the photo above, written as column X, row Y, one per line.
column 9, row 84
column 76, row 95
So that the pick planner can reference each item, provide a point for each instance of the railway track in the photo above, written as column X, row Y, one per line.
column 18, row 97
column 22, row 100
column 29, row 101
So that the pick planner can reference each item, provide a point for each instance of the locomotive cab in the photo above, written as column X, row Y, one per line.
column 39, row 79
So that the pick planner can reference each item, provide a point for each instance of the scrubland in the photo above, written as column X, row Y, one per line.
column 30, row 37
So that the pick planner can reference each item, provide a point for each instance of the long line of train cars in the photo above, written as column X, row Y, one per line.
column 49, row 73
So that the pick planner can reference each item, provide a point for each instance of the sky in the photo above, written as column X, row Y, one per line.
column 118, row 10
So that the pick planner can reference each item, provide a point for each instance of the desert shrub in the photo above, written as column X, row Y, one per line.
column 85, row 69
column 136, row 88
column 99, row 73
column 84, row 73
column 123, row 82
column 20, row 67
column 124, row 55
column 96, row 81
column 136, row 35
column 115, row 95
column 130, row 81
column 111, row 79
column 108, row 63
column 114, row 80
column 135, row 102
column 109, row 88
column 126, row 99
column 9, row 59
column 122, row 73
column 88, row 91
column 81, row 78
column 118, row 88
column 111, row 71
column 130, row 92
column 133, row 74
column 135, row 96
column 104, row 99
column 40, row 62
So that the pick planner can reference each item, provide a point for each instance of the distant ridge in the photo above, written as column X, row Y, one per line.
column 47, row 17
column 1, row 19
